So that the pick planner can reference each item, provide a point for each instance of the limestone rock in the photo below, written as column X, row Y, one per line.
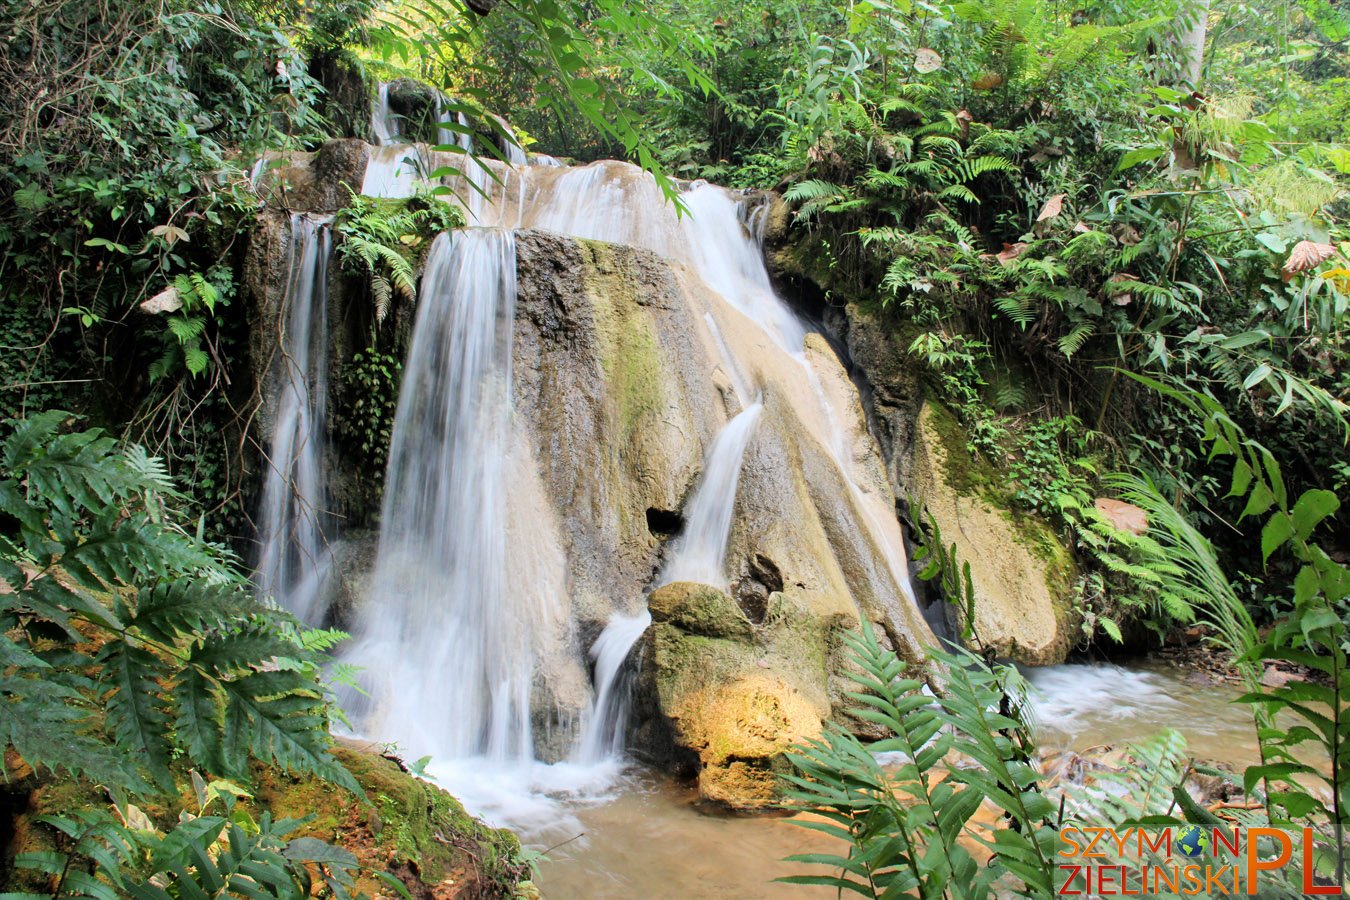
column 741, row 731
column 1021, row 573
column 322, row 181
column 699, row 609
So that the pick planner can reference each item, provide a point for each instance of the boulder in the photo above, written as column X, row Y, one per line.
column 699, row 609
column 728, row 698
column 1022, row 574
column 740, row 731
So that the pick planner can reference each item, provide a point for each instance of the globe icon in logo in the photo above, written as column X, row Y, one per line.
column 1193, row 841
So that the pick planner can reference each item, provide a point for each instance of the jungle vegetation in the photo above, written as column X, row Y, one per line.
column 1111, row 235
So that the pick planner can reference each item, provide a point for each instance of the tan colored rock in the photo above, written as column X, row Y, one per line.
column 1021, row 573
column 699, row 609
column 741, row 730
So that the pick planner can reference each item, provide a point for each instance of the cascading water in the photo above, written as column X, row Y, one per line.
column 449, row 643
column 700, row 550
column 732, row 264
column 447, row 648
column 393, row 167
column 294, row 557
column 699, row 555
column 607, row 721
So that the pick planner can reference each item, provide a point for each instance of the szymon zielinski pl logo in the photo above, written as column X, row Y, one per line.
column 1190, row 860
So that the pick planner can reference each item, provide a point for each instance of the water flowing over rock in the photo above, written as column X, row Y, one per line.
column 637, row 337
column 295, row 525
column 447, row 644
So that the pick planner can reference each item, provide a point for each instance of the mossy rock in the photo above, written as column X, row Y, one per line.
column 409, row 828
column 699, row 609
column 741, row 732
column 1022, row 573
column 737, row 697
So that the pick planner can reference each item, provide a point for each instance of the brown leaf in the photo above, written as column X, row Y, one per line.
column 1306, row 255
column 165, row 301
column 1124, row 516
column 1010, row 252
column 1052, row 208
column 1127, row 234
column 987, row 81
column 1115, row 290
column 926, row 60
column 1080, row 228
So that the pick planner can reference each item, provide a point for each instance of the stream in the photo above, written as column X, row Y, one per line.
column 627, row 832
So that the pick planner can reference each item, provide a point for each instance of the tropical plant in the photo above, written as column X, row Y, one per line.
column 387, row 241
column 909, row 830
column 126, row 640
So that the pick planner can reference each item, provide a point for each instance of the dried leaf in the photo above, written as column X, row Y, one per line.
column 1080, row 227
column 1119, row 295
column 926, row 60
column 987, row 82
column 1127, row 234
column 1306, row 255
column 166, row 301
column 1010, row 252
column 1052, row 208
column 1124, row 516
column 172, row 234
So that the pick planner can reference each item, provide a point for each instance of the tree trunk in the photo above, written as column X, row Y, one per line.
column 1192, row 49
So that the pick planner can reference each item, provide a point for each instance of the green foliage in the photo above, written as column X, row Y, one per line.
column 940, row 564
column 908, row 830
column 1313, row 634
column 225, row 855
column 387, row 241
column 365, row 420
column 128, row 641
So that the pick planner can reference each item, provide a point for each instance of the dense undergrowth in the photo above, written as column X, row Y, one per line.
column 1092, row 243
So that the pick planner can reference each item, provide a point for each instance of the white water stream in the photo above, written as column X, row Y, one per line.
column 294, row 554
column 447, row 648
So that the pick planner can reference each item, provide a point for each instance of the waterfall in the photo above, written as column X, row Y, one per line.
column 607, row 721
column 699, row 555
column 701, row 548
column 294, row 555
column 394, row 166
column 733, row 264
column 446, row 644
column 383, row 122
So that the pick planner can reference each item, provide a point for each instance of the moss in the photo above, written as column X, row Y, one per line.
column 410, row 827
column 969, row 476
column 630, row 353
column 699, row 609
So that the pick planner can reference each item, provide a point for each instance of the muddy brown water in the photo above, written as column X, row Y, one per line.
column 652, row 838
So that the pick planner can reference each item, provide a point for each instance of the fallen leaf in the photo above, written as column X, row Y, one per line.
column 1052, row 208
column 987, row 82
column 165, row 301
column 1080, row 228
column 1306, row 255
column 1119, row 295
column 1126, row 234
column 926, row 60
column 1010, row 252
column 1123, row 516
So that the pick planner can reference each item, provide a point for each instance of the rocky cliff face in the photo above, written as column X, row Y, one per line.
column 1021, row 571
column 627, row 365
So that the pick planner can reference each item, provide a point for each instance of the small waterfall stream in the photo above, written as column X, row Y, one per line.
column 700, row 551
column 294, row 555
